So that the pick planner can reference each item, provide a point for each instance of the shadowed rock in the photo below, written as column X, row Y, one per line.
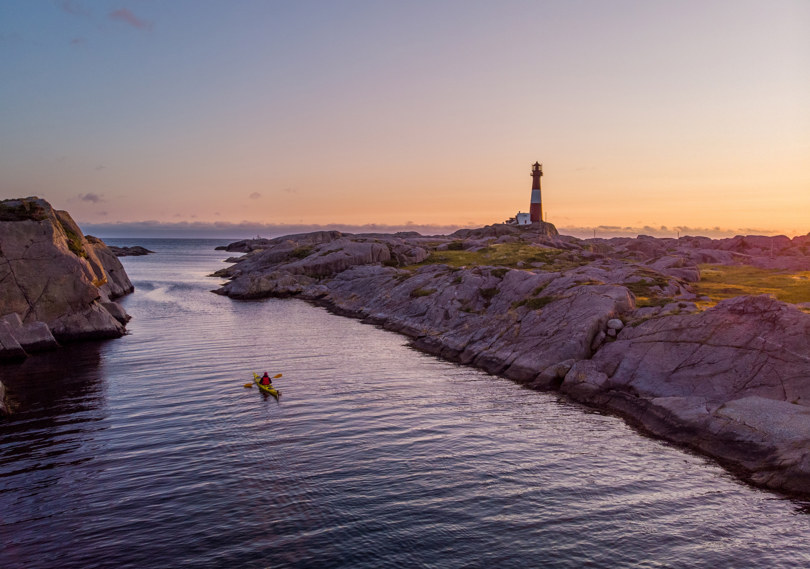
column 134, row 251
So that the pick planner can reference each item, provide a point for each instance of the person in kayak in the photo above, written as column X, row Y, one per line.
column 265, row 379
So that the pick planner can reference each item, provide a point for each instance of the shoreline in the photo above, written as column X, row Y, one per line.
column 569, row 323
column 641, row 415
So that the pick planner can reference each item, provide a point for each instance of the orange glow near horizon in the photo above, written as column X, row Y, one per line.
column 692, row 115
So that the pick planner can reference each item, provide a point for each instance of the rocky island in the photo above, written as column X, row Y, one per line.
column 58, row 285
column 674, row 335
column 133, row 251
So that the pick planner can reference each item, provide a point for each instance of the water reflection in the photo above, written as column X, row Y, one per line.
column 57, row 398
column 147, row 451
column 51, row 380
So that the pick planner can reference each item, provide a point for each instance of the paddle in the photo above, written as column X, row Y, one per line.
column 249, row 385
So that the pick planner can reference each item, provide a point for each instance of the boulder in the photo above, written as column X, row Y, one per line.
column 33, row 337
column 10, row 348
column 261, row 285
column 117, row 311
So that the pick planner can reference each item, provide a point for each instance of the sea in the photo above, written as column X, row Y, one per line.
column 153, row 450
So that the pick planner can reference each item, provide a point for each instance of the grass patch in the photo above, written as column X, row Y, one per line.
column 504, row 255
column 720, row 282
column 536, row 303
column 24, row 210
column 488, row 293
column 74, row 241
column 301, row 252
column 647, row 301
column 419, row 292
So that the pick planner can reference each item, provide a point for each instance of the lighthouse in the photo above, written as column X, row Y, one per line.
column 536, row 206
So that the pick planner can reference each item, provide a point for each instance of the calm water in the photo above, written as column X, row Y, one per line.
column 147, row 451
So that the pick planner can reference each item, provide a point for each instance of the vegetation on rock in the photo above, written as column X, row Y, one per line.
column 419, row 292
column 719, row 282
column 22, row 210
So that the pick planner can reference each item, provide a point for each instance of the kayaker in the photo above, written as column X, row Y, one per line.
column 265, row 379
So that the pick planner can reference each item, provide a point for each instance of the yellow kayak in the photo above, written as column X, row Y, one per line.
column 269, row 389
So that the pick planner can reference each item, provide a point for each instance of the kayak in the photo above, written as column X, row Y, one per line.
column 269, row 389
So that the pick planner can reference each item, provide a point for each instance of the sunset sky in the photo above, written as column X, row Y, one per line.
column 259, row 116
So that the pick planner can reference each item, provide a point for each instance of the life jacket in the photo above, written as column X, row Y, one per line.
column 265, row 380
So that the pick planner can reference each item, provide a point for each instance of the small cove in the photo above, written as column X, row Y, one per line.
column 146, row 451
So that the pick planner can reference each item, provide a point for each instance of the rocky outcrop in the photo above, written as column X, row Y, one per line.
column 288, row 264
column 32, row 337
column 57, row 285
column 134, row 251
column 732, row 381
column 777, row 252
column 501, row 229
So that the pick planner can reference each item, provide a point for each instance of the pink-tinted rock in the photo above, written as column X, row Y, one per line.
column 10, row 348
column 53, row 275
column 33, row 337
column 731, row 381
column 754, row 349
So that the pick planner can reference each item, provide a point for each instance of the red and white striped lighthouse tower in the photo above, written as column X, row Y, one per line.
column 536, row 207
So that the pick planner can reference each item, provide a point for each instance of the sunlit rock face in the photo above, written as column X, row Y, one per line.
column 57, row 284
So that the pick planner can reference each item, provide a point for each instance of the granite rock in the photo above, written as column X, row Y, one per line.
column 54, row 276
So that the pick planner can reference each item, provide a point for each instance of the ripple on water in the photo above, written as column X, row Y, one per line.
column 147, row 451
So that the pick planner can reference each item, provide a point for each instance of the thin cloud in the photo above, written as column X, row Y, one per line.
column 91, row 197
column 127, row 17
column 608, row 231
column 255, row 195
column 78, row 42
column 229, row 230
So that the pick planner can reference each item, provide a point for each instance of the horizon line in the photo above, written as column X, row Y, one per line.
column 249, row 230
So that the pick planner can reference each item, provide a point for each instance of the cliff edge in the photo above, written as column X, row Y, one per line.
column 57, row 284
